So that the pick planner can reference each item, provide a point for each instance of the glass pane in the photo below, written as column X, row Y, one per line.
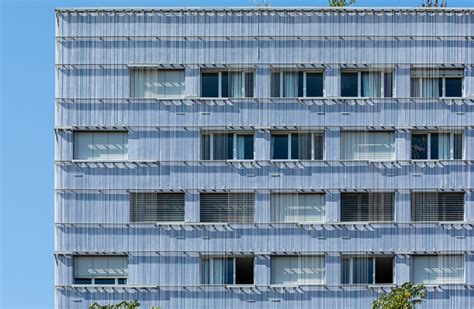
column 443, row 146
column 82, row 281
column 300, row 84
column 318, row 146
column 419, row 146
column 457, row 146
column 205, row 272
column 346, row 271
column 172, row 83
column 314, row 84
column 249, row 85
column 384, row 270
column 362, row 270
column 210, row 85
column 235, row 85
column 275, row 85
column 388, row 85
column 245, row 147
column 222, row 146
column 371, row 86
column 415, row 88
column 349, row 84
column 304, row 147
column 453, row 87
column 104, row 281
column 280, row 146
column 430, row 87
column 290, row 84
column 295, row 146
column 205, row 147
column 226, row 86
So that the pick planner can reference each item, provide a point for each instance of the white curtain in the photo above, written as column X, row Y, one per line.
column 236, row 85
column 367, row 145
column 444, row 146
column 430, row 87
column 154, row 83
column 298, row 207
column 292, row 270
column 438, row 269
column 241, row 147
column 290, row 84
column 371, row 84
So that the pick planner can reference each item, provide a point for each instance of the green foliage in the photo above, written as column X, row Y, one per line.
column 341, row 3
column 122, row 305
column 406, row 296
column 436, row 3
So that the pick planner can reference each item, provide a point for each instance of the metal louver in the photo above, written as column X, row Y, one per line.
column 435, row 206
column 367, row 206
column 227, row 207
column 156, row 207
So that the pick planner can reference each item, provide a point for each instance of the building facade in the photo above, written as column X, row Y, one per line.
column 263, row 157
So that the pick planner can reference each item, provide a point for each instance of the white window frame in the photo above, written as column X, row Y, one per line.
column 382, row 81
column 219, row 83
column 463, row 258
column 428, row 145
column 351, row 268
column 93, row 279
column 419, row 85
column 282, row 72
column 234, row 145
column 313, row 134
column 172, row 97
column 211, row 269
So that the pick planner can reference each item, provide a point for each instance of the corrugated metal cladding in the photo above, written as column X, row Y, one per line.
column 163, row 151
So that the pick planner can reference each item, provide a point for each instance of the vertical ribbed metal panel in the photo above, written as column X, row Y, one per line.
column 95, row 53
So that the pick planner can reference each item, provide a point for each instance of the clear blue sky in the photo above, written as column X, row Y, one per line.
column 27, row 140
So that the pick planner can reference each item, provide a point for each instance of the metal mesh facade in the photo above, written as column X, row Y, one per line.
column 239, row 105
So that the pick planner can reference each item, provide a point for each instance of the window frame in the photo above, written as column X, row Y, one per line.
column 343, row 140
column 93, row 279
column 413, row 213
column 276, row 195
column 132, row 72
column 392, row 193
column 74, row 145
column 234, row 145
column 374, row 267
column 219, row 72
column 428, row 145
column 321, row 256
column 289, row 134
column 281, row 73
column 359, row 82
column 412, row 268
column 211, row 269
column 418, row 83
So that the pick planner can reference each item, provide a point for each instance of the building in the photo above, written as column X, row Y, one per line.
column 263, row 157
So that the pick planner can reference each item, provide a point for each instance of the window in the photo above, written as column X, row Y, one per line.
column 368, row 145
column 435, row 83
column 156, row 207
column 157, row 83
column 227, row 207
column 437, row 206
column 304, row 207
column 438, row 269
column 227, row 84
column 227, row 146
column 100, row 146
column 297, row 84
column 227, row 270
column 436, row 146
column 100, row 269
column 297, row 270
column 367, row 207
column 367, row 270
column 297, row 146
column 366, row 84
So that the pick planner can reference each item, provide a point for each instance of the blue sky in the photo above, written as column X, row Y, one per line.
column 27, row 140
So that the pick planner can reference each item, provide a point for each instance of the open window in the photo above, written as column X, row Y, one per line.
column 367, row 270
column 217, row 270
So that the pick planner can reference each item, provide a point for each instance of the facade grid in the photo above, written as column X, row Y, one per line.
column 263, row 157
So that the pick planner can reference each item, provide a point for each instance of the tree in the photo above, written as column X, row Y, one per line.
column 122, row 305
column 436, row 4
column 341, row 3
column 406, row 296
